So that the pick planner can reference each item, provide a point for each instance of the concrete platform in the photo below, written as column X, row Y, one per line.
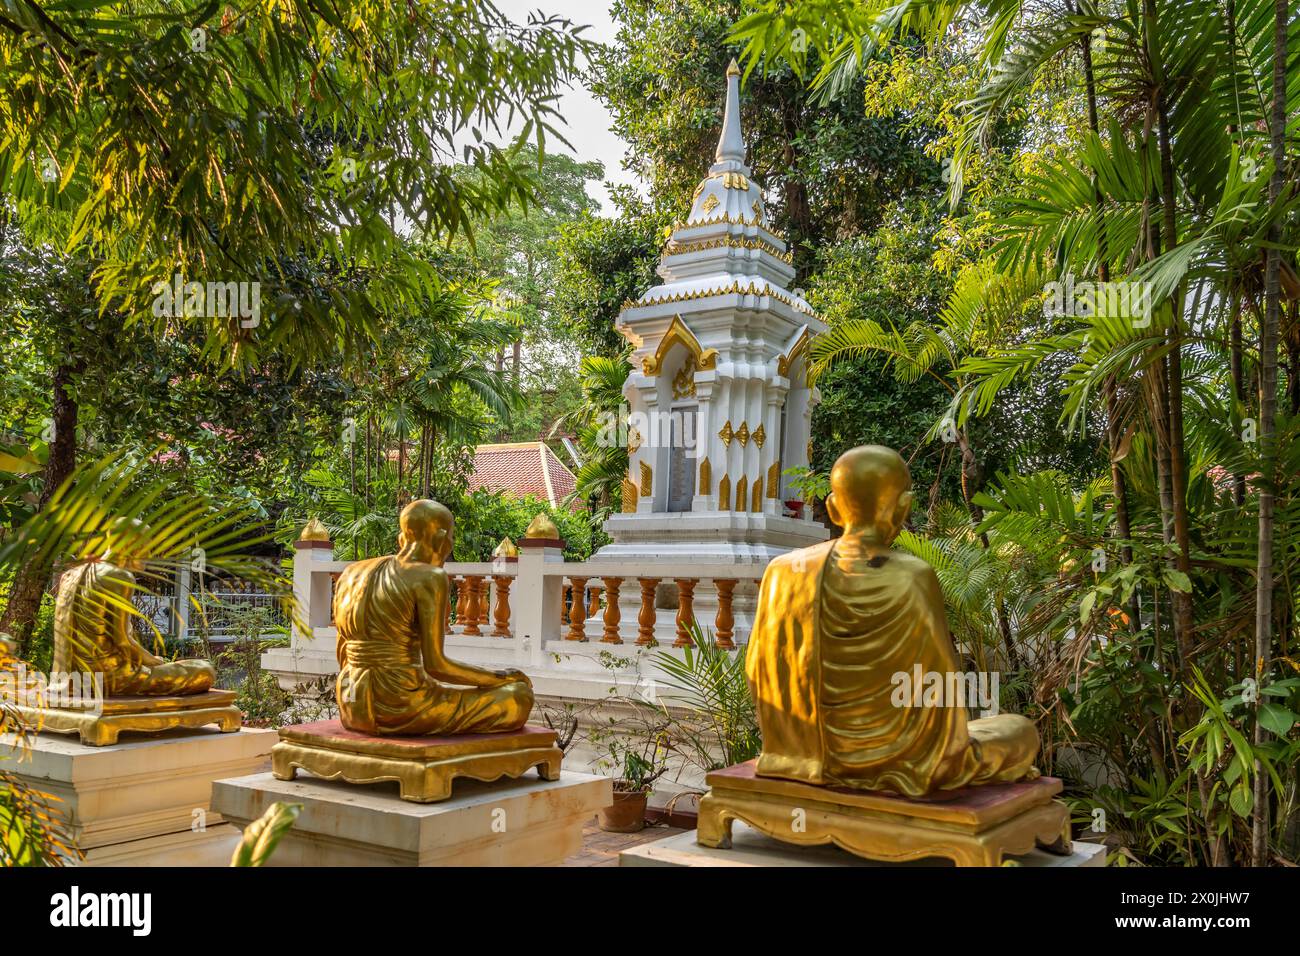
column 521, row 822
column 751, row 848
column 145, row 801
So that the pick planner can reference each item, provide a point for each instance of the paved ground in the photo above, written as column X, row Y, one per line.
column 602, row 849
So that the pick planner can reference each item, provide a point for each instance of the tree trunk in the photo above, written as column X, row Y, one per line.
column 19, row 618
column 1181, row 602
column 1268, row 338
column 1114, row 433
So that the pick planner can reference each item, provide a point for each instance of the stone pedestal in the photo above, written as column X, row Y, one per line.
column 751, row 848
column 521, row 822
column 976, row 826
column 144, row 801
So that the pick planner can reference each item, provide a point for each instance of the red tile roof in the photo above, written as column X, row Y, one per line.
column 522, row 468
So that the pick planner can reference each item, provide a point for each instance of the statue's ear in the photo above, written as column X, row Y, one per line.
column 833, row 509
column 905, row 502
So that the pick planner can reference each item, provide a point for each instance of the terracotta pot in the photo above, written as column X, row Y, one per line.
column 626, row 814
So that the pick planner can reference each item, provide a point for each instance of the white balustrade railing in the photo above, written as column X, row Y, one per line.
column 538, row 609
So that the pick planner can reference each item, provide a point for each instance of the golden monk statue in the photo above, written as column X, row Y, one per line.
column 836, row 625
column 92, row 626
column 394, row 676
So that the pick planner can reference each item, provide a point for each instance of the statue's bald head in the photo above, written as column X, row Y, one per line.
column 429, row 523
column 871, row 489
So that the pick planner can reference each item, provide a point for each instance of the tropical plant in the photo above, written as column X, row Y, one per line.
column 719, row 726
column 604, row 464
column 264, row 834
column 1166, row 214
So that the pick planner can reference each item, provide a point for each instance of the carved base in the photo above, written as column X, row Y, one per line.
column 100, row 728
column 424, row 767
column 972, row 827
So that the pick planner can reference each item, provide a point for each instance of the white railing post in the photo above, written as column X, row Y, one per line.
column 312, row 590
column 536, row 598
column 182, row 604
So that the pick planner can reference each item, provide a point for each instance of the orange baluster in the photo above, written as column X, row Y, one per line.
column 646, row 619
column 725, row 623
column 577, row 611
column 502, row 609
column 685, row 610
column 611, row 611
column 472, row 584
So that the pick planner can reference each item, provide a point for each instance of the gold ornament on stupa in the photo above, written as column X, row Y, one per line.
column 542, row 527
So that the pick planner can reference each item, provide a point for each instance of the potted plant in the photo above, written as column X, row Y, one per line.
column 809, row 485
column 632, row 787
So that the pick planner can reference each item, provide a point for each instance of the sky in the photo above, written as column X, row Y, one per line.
column 588, row 120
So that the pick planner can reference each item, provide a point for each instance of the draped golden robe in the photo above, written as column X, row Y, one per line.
column 92, row 634
column 833, row 628
column 383, row 686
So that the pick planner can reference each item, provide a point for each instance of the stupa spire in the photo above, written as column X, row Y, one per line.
column 731, row 146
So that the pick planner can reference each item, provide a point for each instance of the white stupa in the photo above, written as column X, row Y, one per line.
column 719, row 404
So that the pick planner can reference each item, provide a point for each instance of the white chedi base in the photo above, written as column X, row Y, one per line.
column 706, row 537
column 523, row 822
column 144, row 801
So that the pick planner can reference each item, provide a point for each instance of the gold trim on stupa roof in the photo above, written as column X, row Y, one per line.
column 736, row 288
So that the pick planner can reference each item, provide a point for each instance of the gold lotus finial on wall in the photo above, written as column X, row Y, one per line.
column 506, row 549
column 542, row 527
column 314, row 530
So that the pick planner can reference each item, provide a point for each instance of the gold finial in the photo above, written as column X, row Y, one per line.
column 506, row 549
column 542, row 527
column 314, row 530
column 734, row 68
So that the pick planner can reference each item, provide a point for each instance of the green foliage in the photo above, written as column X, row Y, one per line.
column 278, row 144
column 830, row 168
column 604, row 451
column 483, row 518
column 1129, row 586
column 602, row 263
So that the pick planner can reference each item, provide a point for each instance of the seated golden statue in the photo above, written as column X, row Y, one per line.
column 394, row 677
column 92, row 625
column 836, row 623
